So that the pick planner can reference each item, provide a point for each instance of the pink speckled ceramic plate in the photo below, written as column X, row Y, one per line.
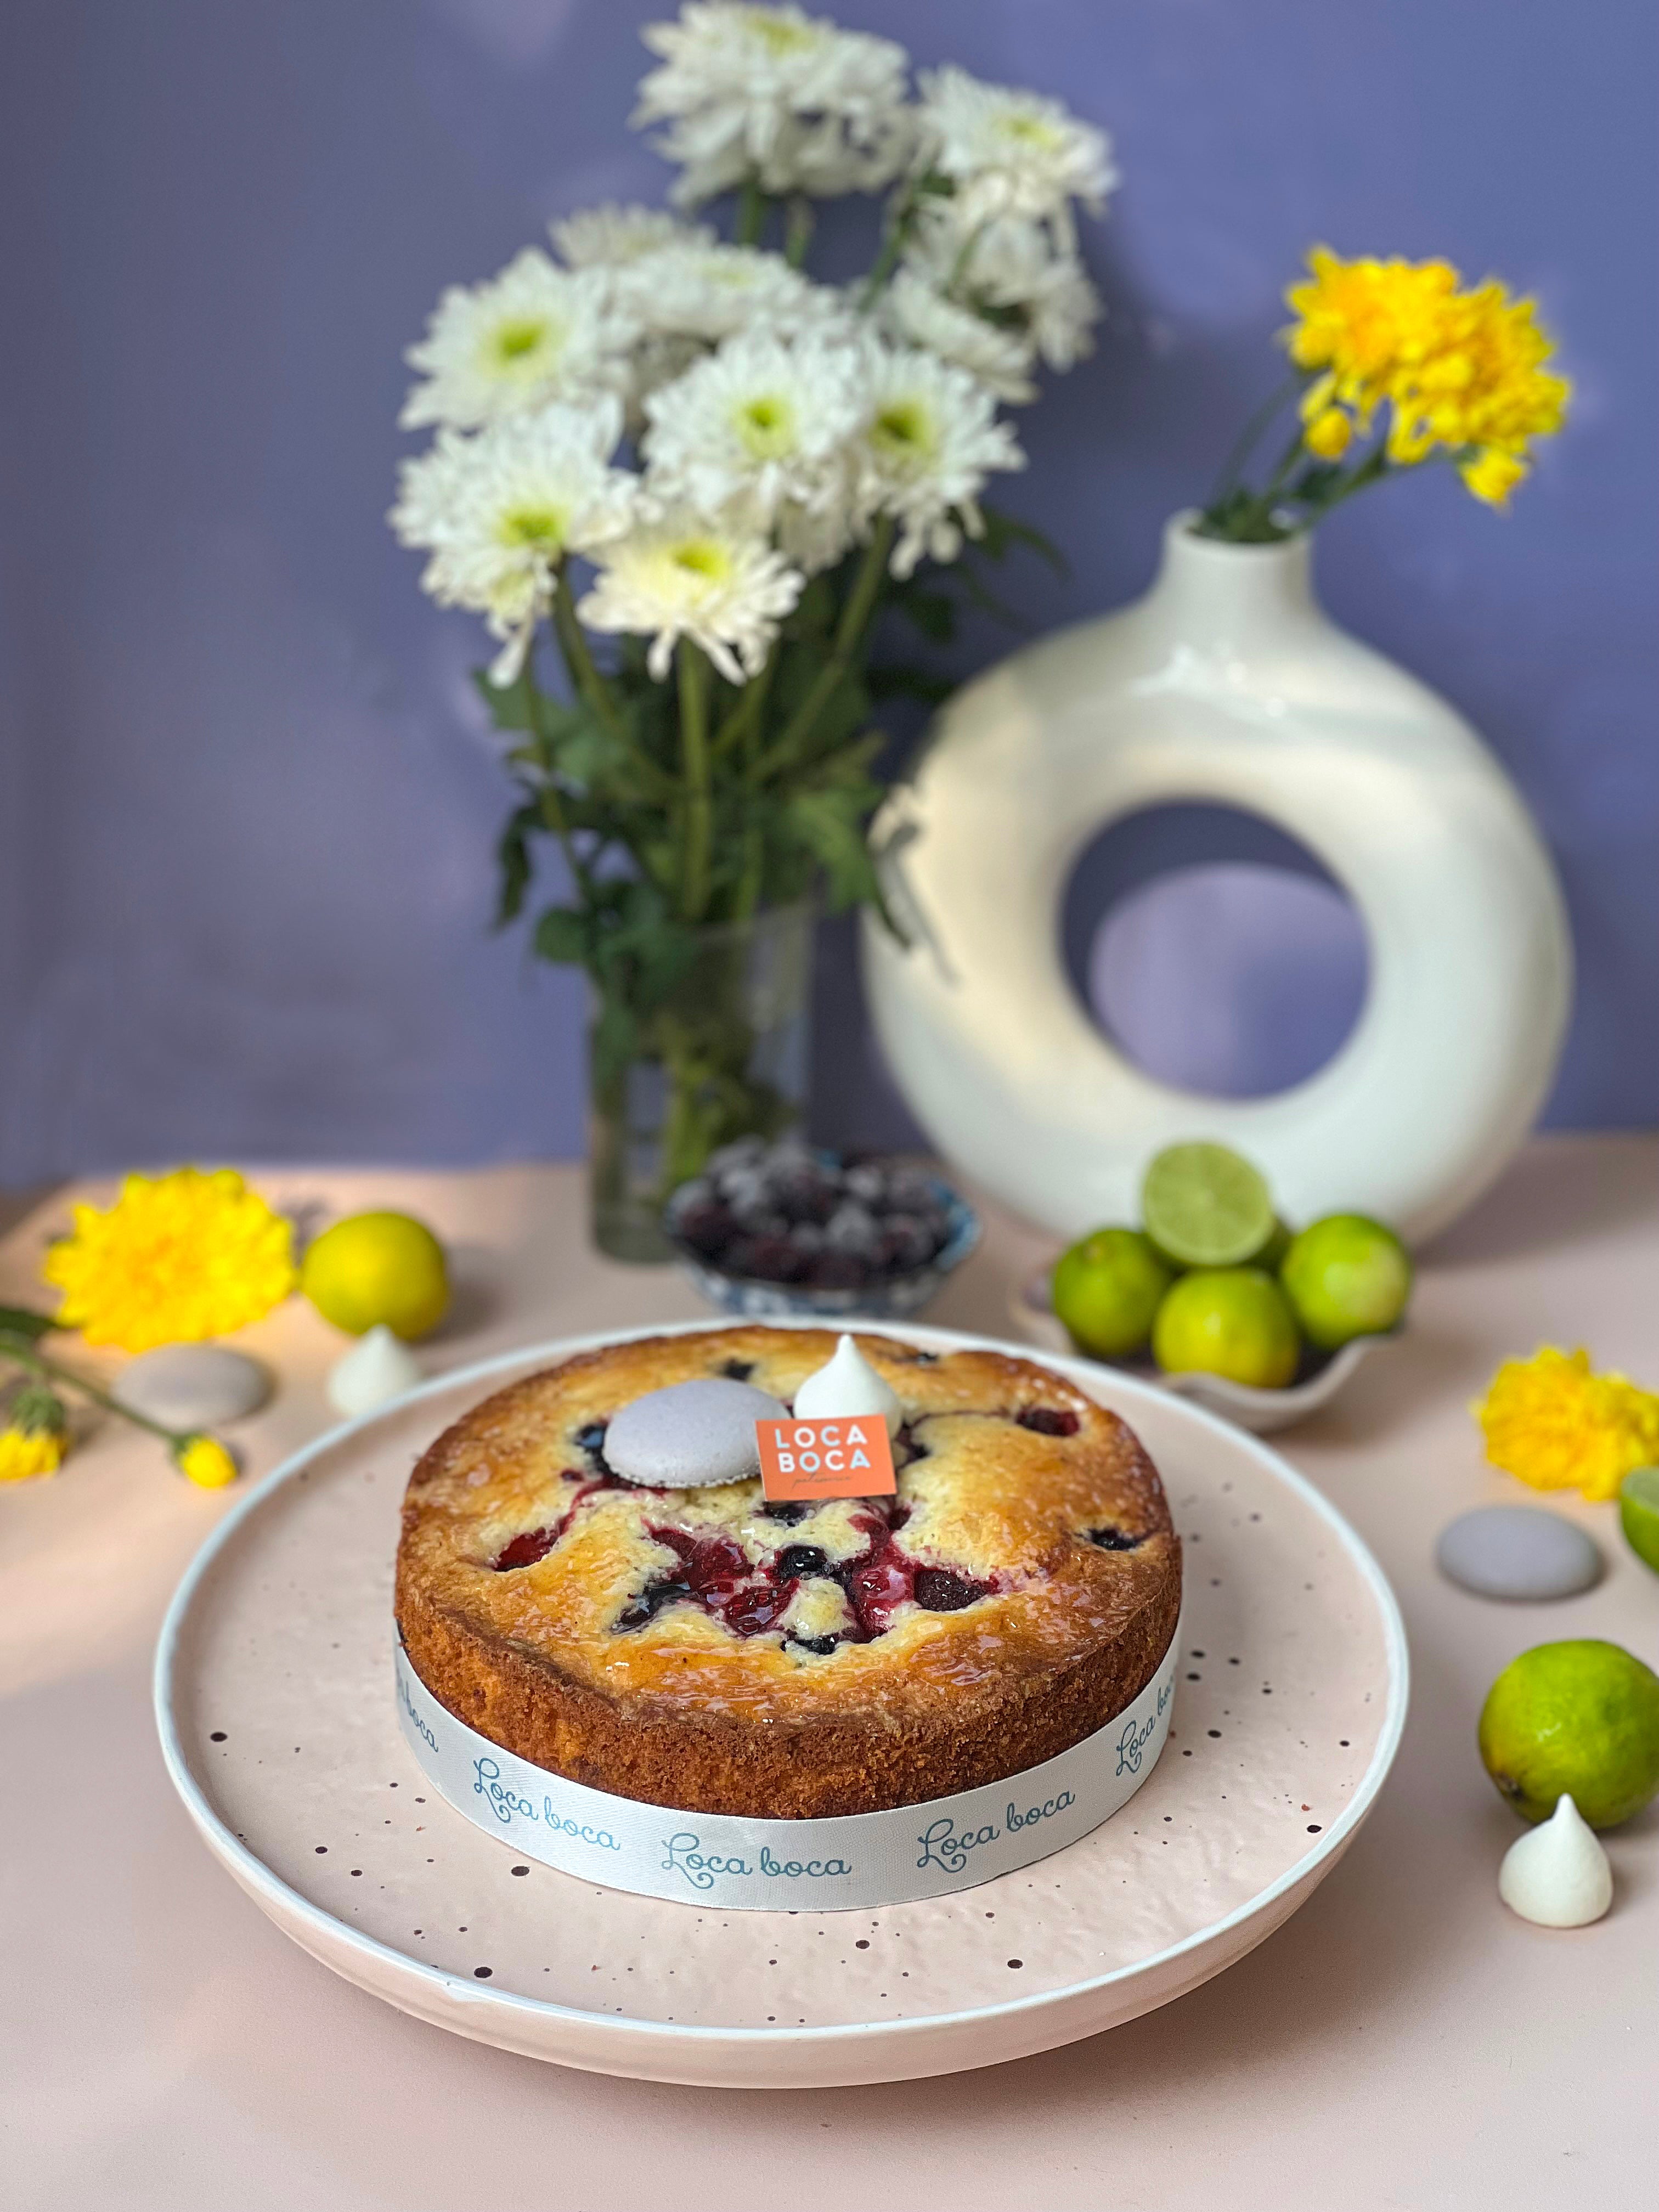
column 273, row 1701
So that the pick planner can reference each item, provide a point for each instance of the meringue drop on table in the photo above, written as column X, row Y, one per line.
column 379, row 1367
column 848, row 1384
column 1556, row 1875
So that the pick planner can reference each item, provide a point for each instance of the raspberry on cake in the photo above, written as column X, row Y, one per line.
column 699, row 1649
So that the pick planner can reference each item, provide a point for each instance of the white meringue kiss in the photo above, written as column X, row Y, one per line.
column 847, row 1384
column 1557, row 1875
column 378, row 1369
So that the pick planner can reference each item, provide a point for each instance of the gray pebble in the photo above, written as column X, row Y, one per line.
column 1517, row 1551
column 691, row 1434
column 192, row 1386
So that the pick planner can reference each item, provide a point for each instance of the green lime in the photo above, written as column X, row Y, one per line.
column 1346, row 1276
column 1638, row 1513
column 375, row 1267
column 1581, row 1716
column 1233, row 1321
column 1106, row 1291
column 1203, row 1207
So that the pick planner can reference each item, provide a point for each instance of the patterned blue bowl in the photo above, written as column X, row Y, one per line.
column 891, row 1299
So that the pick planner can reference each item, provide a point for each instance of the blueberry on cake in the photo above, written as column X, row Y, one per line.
column 697, row 1647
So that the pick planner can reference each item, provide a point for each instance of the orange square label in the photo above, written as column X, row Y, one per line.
column 845, row 1456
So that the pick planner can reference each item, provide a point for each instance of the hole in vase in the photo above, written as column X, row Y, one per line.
column 1215, row 951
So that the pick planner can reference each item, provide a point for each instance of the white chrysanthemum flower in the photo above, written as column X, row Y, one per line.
column 769, row 92
column 915, row 313
column 711, row 292
column 606, row 237
column 1018, row 265
column 758, row 425
column 531, row 334
column 1011, row 265
column 930, row 439
column 1011, row 152
column 499, row 511
column 727, row 590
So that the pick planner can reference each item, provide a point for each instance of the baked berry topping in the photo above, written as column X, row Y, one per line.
column 822, row 1646
column 738, row 1370
column 591, row 1436
column 1114, row 1540
column 1049, row 1420
column 651, row 1601
column 941, row 1589
column 797, row 1560
column 524, row 1551
column 791, row 1515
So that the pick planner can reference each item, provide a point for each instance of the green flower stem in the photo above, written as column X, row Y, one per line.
column 799, row 226
column 552, row 802
column 900, row 216
column 699, row 804
column 53, row 1370
column 591, row 687
column 1247, row 439
column 752, row 208
column 849, row 631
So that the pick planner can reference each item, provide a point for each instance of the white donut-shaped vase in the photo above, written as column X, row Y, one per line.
column 1228, row 684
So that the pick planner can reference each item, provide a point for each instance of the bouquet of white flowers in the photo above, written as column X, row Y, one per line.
column 704, row 474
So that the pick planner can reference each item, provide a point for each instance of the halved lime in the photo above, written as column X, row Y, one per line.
column 1204, row 1206
column 1638, row 1513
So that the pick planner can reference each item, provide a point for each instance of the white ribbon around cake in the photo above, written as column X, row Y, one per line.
column 861, row 1860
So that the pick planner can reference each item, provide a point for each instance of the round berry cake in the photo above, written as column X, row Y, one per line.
column 702, row 1649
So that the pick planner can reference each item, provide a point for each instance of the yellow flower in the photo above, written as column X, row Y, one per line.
column 1557, row 1425
column 177, row 1258
column 1492, row 476
column 36, row 1435
column 206, row 1461
column 1361, row 322
column 1328, row 435
column 1459, row 370
column 25, row 1453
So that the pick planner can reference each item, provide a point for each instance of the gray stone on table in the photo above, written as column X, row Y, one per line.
column 192, row 1386
column 1518, row 1552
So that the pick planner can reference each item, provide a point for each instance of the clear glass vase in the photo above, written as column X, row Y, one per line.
column 724, row 1054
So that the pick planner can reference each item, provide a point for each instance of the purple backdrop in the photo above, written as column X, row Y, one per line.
column 246, row 805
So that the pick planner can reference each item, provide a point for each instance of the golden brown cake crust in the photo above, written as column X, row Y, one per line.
column 692, row 1648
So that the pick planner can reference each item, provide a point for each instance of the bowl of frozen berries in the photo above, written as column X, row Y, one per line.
column 785, row 1228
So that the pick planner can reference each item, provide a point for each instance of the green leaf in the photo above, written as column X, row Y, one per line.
column 899, row 679
column 563, row 933
column 511, row 705
column 830, row 823
column 22, row 1321
column 513, row 858
column 1002, row 532
column 933, row 613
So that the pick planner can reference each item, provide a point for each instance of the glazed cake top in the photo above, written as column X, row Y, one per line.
column 1028, row 1528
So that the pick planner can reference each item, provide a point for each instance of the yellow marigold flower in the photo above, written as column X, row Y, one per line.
column 206, row 1462
column 1329, row 435
column 1483, row 387
column 177, row 1258
column 1362, row 322
column 1458, row 370
column 26, row 1453
column 1557, row 1425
